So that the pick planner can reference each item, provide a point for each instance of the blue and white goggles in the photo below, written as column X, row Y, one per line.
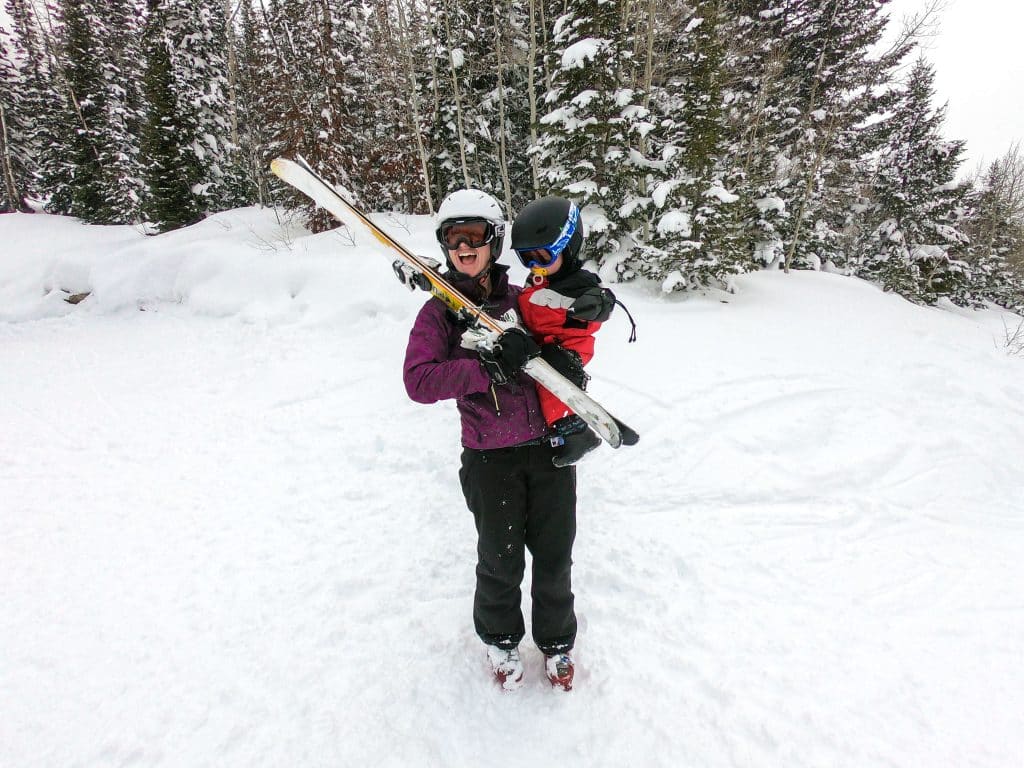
column 545, row 255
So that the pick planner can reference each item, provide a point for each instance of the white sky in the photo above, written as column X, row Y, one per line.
column 979, row 71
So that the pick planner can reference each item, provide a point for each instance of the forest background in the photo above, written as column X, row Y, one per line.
column 702, row 139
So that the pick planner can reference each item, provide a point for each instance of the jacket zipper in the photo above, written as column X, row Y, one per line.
column 494, row 394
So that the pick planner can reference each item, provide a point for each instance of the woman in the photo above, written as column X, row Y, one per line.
column 518, row 498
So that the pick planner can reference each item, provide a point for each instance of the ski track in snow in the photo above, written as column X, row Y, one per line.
column 233, row 541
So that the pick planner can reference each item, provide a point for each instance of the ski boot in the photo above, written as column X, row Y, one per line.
column 506, row 666
column 572, row 441
column 560, row 668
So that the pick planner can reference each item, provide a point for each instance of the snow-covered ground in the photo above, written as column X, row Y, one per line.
column 227, row 538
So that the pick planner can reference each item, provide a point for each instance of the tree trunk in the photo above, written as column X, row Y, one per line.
column 414, row 100
column 457, row 92
column 13, row 195
column 502, row 156
column 531, row 90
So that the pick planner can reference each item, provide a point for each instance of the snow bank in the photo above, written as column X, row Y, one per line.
column 248, row 263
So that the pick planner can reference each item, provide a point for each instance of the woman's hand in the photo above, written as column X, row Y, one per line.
column 504, row 359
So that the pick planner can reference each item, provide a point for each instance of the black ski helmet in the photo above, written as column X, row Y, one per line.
column 551, row 223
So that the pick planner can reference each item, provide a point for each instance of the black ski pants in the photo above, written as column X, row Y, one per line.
column 520, row 502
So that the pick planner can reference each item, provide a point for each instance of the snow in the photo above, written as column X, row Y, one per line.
column 230, row 539
column 663, row 190
column 721, row 193
column 675, row 222
column 770, row 203
column 583, row 98
column 579, row 53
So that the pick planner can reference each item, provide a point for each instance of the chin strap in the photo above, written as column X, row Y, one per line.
column 482, row 277
column 477, row 280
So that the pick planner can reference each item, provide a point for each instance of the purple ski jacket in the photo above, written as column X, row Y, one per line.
column 438, row 368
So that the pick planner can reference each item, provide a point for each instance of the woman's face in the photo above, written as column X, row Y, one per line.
column 470, row 261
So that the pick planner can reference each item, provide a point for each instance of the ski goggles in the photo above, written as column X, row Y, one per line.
column 476, row 233
column 543, row 256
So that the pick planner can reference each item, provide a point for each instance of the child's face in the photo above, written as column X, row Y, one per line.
column 541, row 256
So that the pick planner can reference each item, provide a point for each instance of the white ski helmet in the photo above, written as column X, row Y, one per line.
column 468, row 205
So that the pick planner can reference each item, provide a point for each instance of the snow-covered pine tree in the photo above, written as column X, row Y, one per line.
column 120, row 53
column 995, row 225
column 201, row 73
column 917, row 244
column 171, row 170
column 78, row 181
column 41, row 94
column 188, row 114
column 587, row 148
column 835, row 73
column 241, row 182
column 694, row 241
column 761, row 115
column 75, row 178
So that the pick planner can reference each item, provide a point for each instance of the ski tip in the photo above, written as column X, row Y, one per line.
column 278, row 165
column 628, row 435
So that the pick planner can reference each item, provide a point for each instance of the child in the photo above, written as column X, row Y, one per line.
column 563, row 308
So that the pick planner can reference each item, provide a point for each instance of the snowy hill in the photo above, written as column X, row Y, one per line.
column 229, row 539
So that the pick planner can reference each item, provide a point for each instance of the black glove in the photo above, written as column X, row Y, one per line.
column 566, row 362
column 411, row 277
column 509, row 354
column 594, row 304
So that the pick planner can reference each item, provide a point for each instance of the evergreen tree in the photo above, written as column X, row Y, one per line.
column 835, row 77
column 119, row 53
column 587, row 150
column 43, row 118
column 193, row 166
column 995, row 225
column 761, row 117
column 78, row 181
column 694, row 240
column 87, row 136
column 916, row 246
column 253, row 58
column 171, row 170
column 199, row 34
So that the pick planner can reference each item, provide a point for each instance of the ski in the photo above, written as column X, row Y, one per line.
column 298, row 174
